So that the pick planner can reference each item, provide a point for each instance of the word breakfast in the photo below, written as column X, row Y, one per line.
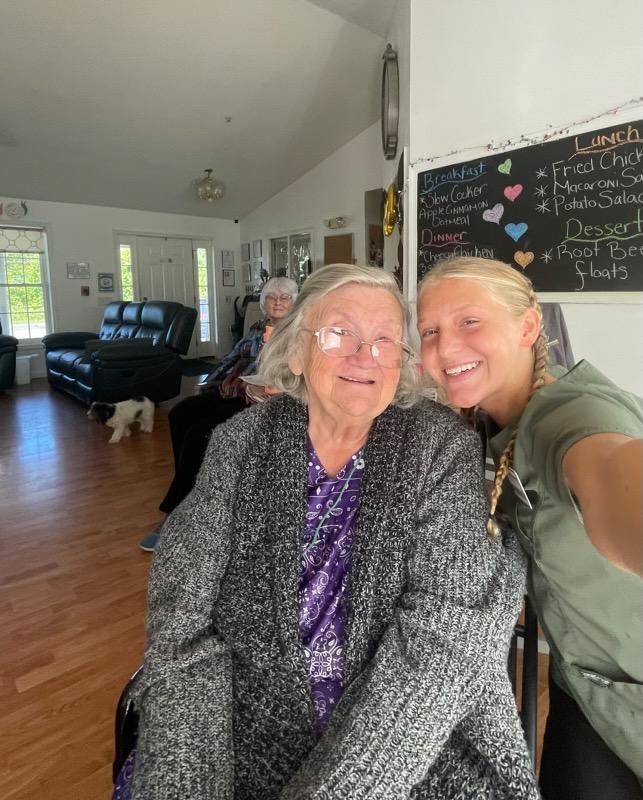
column 459, row 174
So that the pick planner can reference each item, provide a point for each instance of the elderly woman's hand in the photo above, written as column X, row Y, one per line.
column 232, row 386
column 258, row 394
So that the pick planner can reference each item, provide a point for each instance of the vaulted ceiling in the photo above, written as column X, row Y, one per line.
column 124, row 103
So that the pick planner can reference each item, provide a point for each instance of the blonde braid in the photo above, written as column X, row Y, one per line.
column 541, row 362
column 493, row 529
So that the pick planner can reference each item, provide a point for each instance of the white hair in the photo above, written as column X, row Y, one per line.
column 273, row 360
column 279, row 286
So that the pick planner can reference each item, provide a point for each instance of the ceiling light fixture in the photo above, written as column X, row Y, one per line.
column 209, row 188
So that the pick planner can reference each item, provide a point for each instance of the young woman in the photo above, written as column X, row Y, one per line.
column 568, row 448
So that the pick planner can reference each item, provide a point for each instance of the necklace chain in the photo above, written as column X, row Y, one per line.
column 358, row 461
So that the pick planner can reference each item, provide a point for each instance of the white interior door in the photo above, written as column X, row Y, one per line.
column 165, row 272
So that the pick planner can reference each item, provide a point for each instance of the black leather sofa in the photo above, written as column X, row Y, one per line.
column 135, row 353
column 8, row 350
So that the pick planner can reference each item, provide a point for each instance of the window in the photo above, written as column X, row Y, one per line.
column 126, row 266
column 204, row 297
column 24, row 288
column 291, row 256
column 127, row 279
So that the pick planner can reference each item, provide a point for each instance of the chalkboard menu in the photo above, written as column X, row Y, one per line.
column 567, row 212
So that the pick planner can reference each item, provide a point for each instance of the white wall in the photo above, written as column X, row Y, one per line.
column 399, row 37
column 333, row 188
column 491, row 71
column 86, row 233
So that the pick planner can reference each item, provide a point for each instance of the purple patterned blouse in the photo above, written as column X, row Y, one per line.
column 332, row 512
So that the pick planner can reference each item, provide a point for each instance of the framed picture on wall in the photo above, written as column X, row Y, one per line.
column 105, row 281
column 78, row 269
column 227, row 258
column 247, row 272
column 257, row 266
column 228, row 277
column 256, row 248
column 245, row 251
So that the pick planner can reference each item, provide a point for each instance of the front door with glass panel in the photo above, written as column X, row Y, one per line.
column 165, row 272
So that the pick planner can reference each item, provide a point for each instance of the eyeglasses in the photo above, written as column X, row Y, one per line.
column 341, row 343
column 285, row 298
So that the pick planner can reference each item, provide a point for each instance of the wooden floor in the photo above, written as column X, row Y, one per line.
column 72, row 588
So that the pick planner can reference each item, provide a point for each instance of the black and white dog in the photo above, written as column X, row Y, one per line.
column 120, row 416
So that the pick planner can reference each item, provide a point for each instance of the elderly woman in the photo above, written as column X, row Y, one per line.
column 327, row 615
column 221, row 396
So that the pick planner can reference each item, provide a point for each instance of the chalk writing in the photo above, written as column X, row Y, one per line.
column 569, row 212
column 574, row 230
column 430, row 239
column 609, row 141
column 460, row 174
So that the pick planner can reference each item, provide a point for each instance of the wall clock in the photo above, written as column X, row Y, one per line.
column 390, row 102
column 16, row 210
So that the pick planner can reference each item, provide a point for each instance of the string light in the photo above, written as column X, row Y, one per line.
column 526, row 139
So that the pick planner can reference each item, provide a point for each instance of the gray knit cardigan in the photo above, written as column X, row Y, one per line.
column 427, row 710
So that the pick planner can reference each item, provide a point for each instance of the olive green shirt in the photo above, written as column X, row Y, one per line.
column 590, row 609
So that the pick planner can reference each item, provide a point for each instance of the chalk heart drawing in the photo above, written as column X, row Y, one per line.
column 523, row 259
column 511, row 192
column 516, row 229
column 505, row 167
column 494, row 214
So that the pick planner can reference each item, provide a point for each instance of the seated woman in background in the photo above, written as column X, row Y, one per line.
column 568, row 449
column 221, row 396
column 328, row 617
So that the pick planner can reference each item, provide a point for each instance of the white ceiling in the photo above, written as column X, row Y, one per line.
column 374, row 15
column 123, row 102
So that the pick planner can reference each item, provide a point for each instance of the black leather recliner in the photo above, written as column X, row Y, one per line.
column 135, row 353
column 8, row 350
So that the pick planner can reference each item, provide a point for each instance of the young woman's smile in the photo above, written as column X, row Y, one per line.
column 473, row 346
